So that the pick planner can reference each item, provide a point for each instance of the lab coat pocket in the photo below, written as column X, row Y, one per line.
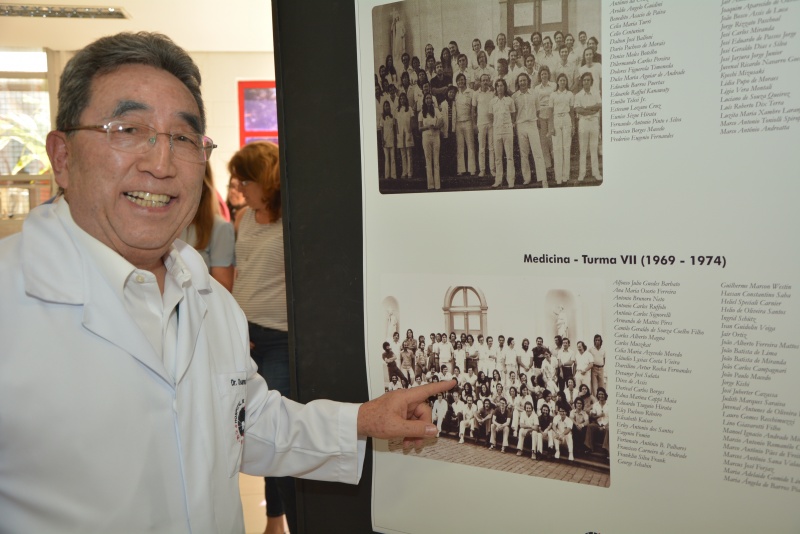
column 233, row 394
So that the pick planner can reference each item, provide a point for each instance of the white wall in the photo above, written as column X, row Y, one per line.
column 221, row 71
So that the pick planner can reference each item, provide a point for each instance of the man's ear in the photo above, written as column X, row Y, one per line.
column 58, row 152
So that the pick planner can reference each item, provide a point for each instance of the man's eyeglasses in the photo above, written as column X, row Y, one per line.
column 139, row 138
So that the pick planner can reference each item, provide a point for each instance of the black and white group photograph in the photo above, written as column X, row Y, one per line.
column 528, row 366
column 474, row 95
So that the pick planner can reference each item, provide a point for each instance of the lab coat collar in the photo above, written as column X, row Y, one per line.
column 74, row 280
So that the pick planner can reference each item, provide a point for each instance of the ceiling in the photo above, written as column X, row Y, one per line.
column 196, row 25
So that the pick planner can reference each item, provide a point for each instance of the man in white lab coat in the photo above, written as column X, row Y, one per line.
column 128, row 399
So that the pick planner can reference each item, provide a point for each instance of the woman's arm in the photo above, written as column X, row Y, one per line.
column 224, row 275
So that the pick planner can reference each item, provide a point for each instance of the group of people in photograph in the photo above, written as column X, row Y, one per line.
column 508, row 390
column 487, row 111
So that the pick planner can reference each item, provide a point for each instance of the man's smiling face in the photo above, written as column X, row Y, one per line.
column 137, row 204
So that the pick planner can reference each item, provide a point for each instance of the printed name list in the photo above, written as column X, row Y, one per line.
column 758, row 45
column 641, row 72
column 760, row 435
column 648, row 357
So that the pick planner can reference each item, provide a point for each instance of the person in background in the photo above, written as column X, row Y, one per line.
column 212, row 236
column 235, row 200
column 260, row 288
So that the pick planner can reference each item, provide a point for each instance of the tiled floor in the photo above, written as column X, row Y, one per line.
column 252, row 491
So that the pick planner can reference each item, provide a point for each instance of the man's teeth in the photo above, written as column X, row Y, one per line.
column 148, row 200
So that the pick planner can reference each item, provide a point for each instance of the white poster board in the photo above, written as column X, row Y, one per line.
column 683, row 259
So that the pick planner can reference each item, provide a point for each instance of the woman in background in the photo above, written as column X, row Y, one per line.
column 586, row 397
column 447, row 62
column 430, row 123
column 593, row 43
column 405, row 137
column 389, row 128
column 212, row 236
column 391, row 72
column 260, row 290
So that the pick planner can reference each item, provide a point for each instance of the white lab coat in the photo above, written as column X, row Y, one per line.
column 95, row 436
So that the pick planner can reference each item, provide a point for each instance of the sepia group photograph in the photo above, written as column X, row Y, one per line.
column 528, row 365
column 475, row 95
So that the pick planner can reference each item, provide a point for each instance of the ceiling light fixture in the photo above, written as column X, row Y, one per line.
column 62, row 12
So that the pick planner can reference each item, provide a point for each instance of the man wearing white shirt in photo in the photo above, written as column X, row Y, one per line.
column 481, row 111
column 562, row 433
column 463, row 67
column 395, row 344
column 455, row 415
column 514, row 65
column 412, row 74
column 469, row 378
column 569, row 69
column 525, row 358
column 445, row 374
column 501, row 356
column 482, row 67
column 512, row 357
column 490, row 361
column 583, row 366
column 446, row 353
column 465, row 128
column 528, row 132
column 587, row 107
column 549, row 58
column 536, row 46
column 468, row 421
column 566, row 363
column 529, row 424
column 439, row 412
column 599, row 362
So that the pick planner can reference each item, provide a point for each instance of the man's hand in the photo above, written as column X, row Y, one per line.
column 403, row 413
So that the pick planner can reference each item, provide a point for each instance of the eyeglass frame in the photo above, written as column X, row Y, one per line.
column 207, row 147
